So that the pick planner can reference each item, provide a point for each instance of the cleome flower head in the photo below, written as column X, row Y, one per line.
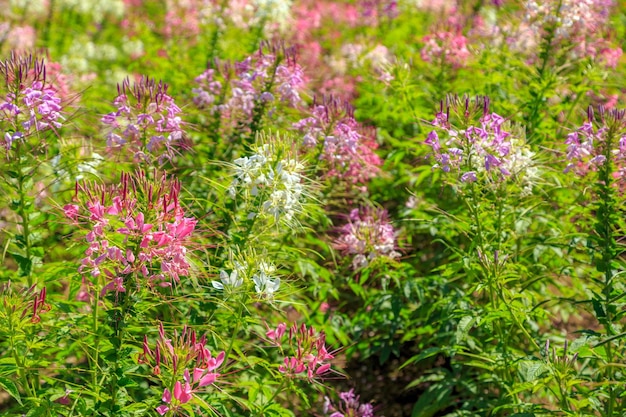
column 137, row 232
column 446, row 48
column 247, row 271
column 29, row 103
column 367, row 235
column 270, row 182
column 598, row 139
column 183, row 355
column 348, row 407
column 304, row 348
column 240, row 94
column 347, row 147
column 486, row 151
column 577, row 26
column 146, row 122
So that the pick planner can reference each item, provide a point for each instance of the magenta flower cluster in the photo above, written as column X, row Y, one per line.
column 262, row 79
column 146, row 122
column 349, row 406
column 34, row 106
column 186, row 354
column 129, row 237
column 447, row 48
column 367, row 235
column 586, row 146
column 347, row 147
column 305, row 350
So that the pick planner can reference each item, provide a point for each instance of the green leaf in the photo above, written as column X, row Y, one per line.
column 531, row 370
column 39, row 411
column 10, row 387
column 23, row 262
column 436, row 398
column 431, row 351
column 463, row 328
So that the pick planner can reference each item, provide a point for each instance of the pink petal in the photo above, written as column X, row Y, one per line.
column 178, row 390
column 322, row 369
column 162, row 409
column 197, row 374
column 208, row 379
column 167, row 396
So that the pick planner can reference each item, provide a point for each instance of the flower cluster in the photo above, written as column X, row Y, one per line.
column 347, row 147
column 30, row 104
column 307, row 347
column 587, row 145
column 487, row 151
column 251, row 87
column 576, row 23
column 367, row 235
column 273, row 180
column 445, row 48
column 349, row 406
column 27, row 300
column 180, row 354
column 375, row 11
column 266, row 16
column 137, row 229
column 264, row 284
column 146, row 120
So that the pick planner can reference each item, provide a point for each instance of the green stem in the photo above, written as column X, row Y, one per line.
column 271, row 399
column 25, row 229
column 96, row 347
column 21, row 369
column 605, row 226
column 236, row 330
column 118, row 328
column 534, row 120
column 260, row 105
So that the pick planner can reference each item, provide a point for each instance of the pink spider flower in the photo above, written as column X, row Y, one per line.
column 447, row 48
column 576, row 27
column 367, row 235
column 137, row 231
column 347, row 147
column 183, row 353
column 305, row 351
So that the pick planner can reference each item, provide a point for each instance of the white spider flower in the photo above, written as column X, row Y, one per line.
column 228, row 280
column 264, row 285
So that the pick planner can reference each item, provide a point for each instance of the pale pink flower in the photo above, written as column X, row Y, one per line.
column 445, row 48
column 367, row 235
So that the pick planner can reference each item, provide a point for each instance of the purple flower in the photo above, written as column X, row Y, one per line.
column 586, row 146
column 146, row 122
column 483, row 151
column 349, row 406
